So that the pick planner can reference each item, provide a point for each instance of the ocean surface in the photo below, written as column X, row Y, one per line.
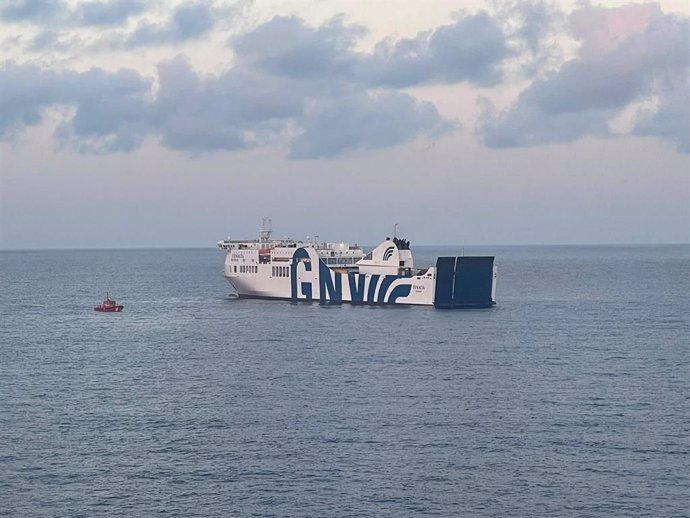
column 571, row 397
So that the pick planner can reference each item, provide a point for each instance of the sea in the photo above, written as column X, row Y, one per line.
column 570, row 397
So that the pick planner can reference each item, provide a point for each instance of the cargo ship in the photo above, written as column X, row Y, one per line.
column 336, row 273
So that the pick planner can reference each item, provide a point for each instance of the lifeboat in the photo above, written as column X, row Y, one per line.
column 109, row 305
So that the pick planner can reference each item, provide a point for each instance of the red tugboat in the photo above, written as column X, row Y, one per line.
column 109, row 305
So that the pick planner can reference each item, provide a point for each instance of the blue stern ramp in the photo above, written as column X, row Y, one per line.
column 465, row 282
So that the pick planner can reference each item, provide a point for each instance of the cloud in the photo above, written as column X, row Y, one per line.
column 292, row 85
column 33, row 11
column 244, row 107
column 51, row 13
column 332, row 127
column 198, row 114
column 107, row 13
column 116, row 111
column 671, row 120
column 25, row 91
column 108, row 108
column 286, row 46
column 625, row 55
column 188, row 21
column 310, row 90
column 471, row 49
column 111, row 111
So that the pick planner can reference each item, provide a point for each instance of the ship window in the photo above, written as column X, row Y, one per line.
column 235, row 268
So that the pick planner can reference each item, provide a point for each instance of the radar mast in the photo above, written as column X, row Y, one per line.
column 265, row 232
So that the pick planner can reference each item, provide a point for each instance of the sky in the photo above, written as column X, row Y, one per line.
column 133, row 123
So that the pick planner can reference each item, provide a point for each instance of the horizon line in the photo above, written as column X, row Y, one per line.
column 512, row 245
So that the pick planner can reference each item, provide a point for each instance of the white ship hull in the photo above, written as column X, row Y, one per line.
column 385, row 276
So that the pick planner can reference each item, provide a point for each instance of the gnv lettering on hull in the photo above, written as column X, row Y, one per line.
column 301, row 256
column 331, row 284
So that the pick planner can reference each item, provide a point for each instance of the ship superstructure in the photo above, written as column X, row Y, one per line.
column 339, row 272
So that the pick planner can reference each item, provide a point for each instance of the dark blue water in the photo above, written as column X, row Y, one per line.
column 570, row 398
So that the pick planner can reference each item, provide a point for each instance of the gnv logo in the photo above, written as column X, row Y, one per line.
column 388, row 253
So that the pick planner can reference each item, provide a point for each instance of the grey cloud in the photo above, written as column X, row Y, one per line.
column 292, row 84
column 52, row 13
column 109, row 108
column 25, row 91
column 536, row 20
column 529, row 23
column 588, row 91
column 203, row 114
column 35, row 11
column 111, row 111
column 671, row 121
column 285, row 46
column 188, row 21
column 332, row 127
column 46, row 40
column 107, row 13
column 237, row 109
column 469, row 50
column 528, row 124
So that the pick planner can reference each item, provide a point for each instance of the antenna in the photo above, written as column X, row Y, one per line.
column 265, row 233
column 395, row 230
